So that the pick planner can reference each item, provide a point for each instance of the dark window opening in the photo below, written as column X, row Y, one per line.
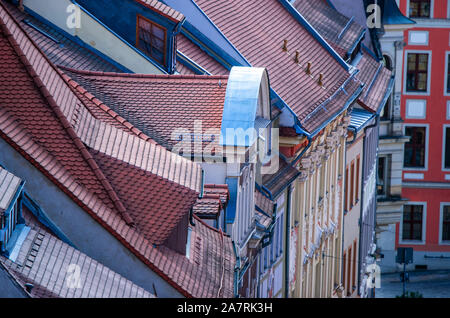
column 446, row 223
column 412, row 222
column 448, row 73
column 415, row 148
column 382, row 176
column 151, row 39
column 417, row 73
column 447, row 148
column 419, row 8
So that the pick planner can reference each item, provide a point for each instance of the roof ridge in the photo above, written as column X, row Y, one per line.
column 143, row 76
column 58, row 112
column 163, row 9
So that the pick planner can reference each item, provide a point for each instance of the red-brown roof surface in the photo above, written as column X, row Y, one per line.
column 342, row 33
column 196, row 54
column 162, row 9
column 208, row 205
column 46, row 122
column 377, row 79
column 335, row 27
column 258, row 32
column 160, row 105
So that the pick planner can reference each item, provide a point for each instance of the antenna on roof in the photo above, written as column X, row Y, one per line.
column 297, row 57
column 285, row 48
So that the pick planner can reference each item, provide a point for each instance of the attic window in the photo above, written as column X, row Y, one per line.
column 151, row 39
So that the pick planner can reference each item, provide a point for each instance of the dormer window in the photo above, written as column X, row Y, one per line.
column 151, row 39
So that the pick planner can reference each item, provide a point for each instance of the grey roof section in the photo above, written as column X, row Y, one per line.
column 51, row 266
column 9, row 184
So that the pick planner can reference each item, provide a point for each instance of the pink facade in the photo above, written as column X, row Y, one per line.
column 425, row 110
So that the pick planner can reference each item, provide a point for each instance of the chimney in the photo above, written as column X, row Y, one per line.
column 320, row 82
column 308, row 68
column 285, row 48
column 20, row 6
column 297, row 57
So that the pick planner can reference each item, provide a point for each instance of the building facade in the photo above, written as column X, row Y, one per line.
column 425, row 109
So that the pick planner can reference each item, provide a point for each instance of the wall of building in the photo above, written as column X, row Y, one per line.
column 80, row 228
column 430, row 185
column 352, row 217
column 319, row 213
column 121, row 17
column 93, row 34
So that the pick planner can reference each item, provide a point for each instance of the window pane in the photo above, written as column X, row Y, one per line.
column 415, row 148
column 412, row 222
column 151, row 40
column 417, row 231
column 446, row 223
column 417, row 73
column 419, row 8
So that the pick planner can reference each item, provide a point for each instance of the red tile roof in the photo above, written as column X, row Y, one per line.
column 258, row 32
column 162, row 9
column 46, row 122
column 196, row 54
column 377, row 79
column 218, row 189
column 336, row 28
column 264, row 203
column 342, row 33
column 208, row 205
column 281, row 178
column 160, row 105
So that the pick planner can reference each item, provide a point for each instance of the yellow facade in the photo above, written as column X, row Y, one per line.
column 317, row 215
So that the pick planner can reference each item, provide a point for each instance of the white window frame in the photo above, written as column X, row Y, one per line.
column 408, row 101
column 444, row 128
column 448, row 9
column 424, row 226
column 431, row 10
column 441, row 216
column 427, row 131
column 405, row 72
column 448, row 110
column 410, row 42
column 447, row 54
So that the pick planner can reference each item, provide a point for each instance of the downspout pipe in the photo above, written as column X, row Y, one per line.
column 286, row 249
column 361, row 221
column 236, row 272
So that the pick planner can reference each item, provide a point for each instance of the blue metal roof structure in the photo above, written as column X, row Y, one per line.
column 359, row 118
column 392, row 14
column 241, row 105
